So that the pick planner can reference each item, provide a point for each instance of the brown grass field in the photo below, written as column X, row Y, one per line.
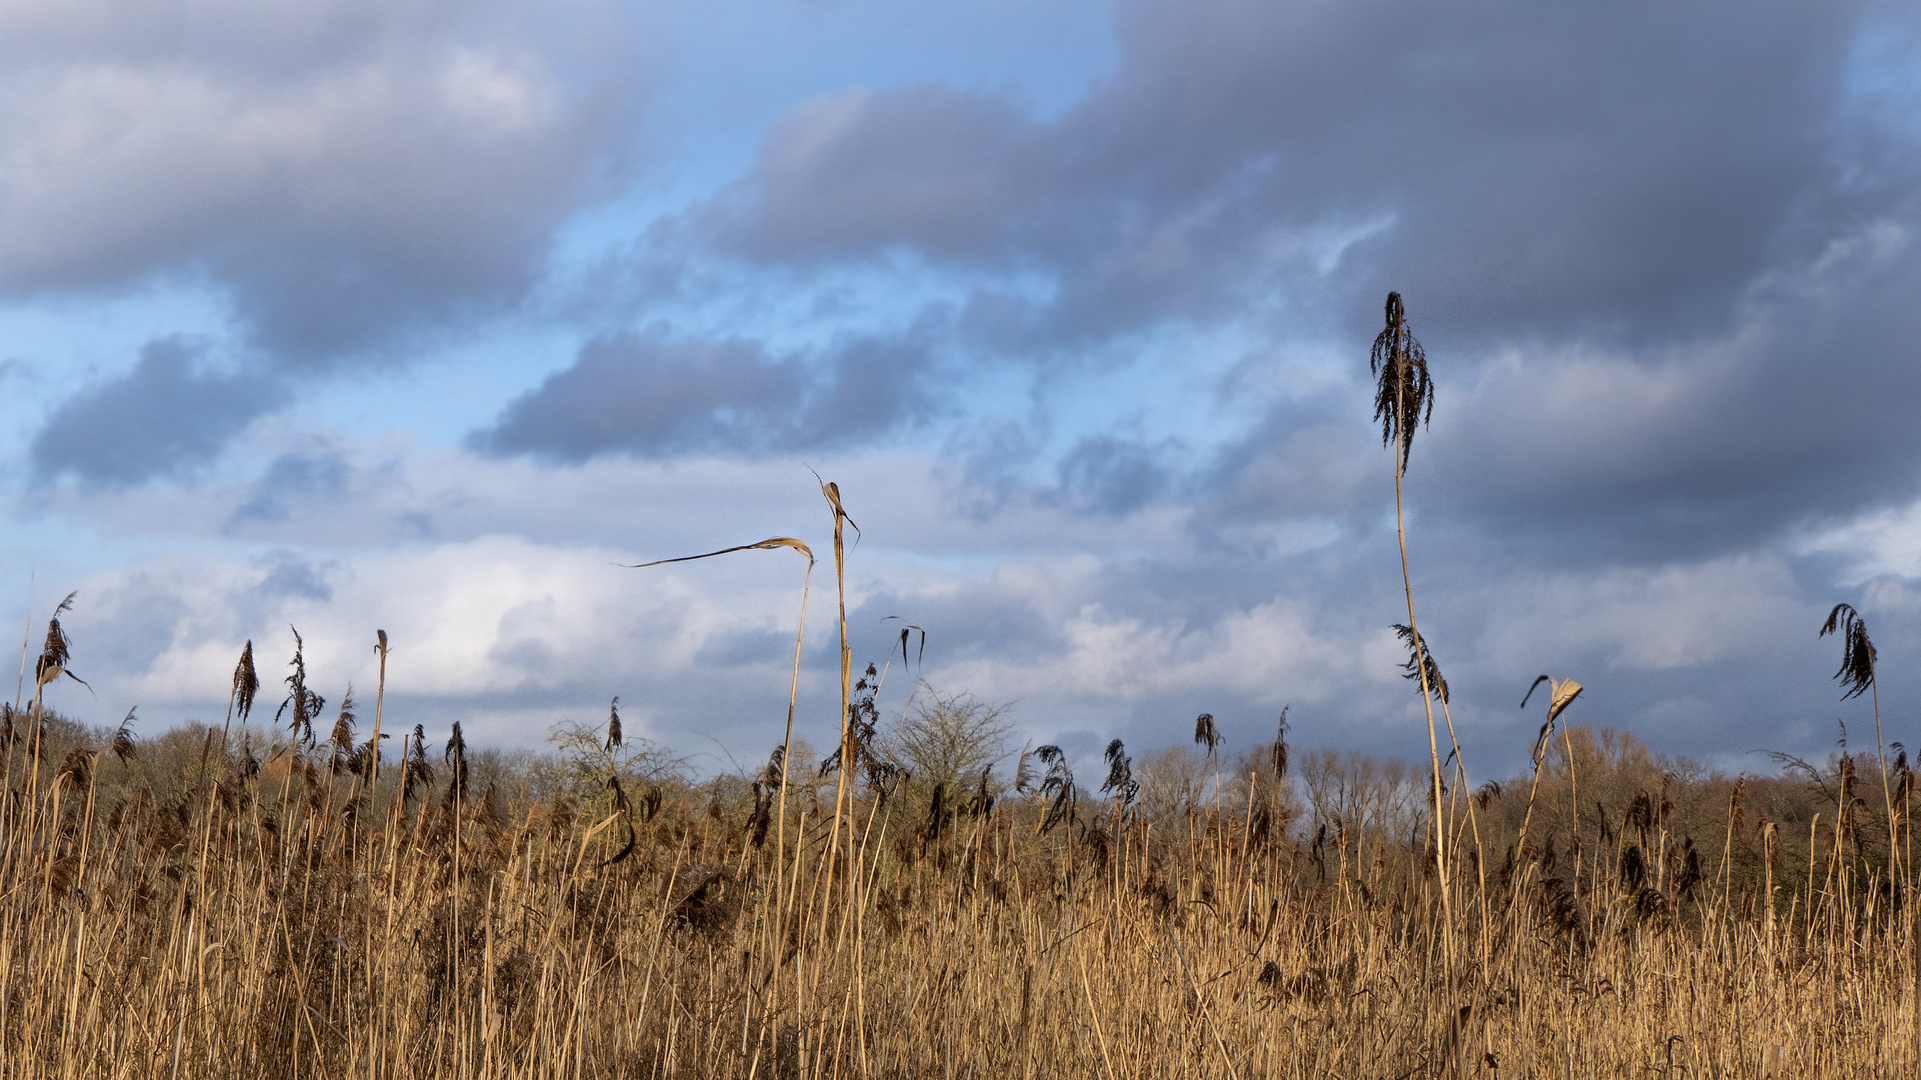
column 293, row 920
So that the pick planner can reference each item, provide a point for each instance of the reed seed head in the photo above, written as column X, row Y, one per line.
column 1404, row 395
column 1856, row 673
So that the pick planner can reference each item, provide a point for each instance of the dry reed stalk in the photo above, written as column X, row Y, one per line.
column 1404, row 400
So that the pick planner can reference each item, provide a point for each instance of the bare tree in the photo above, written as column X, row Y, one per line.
column 951, row 738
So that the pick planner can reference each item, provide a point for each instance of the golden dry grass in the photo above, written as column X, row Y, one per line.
column 286, row 924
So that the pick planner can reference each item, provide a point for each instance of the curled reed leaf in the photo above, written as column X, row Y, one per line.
column 1856, row 674
column 907, row 630
column 768, row 544
column 1561, row 694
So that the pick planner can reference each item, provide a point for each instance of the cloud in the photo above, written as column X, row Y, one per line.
column 1518, row 168
column 163, row 418
column 294, row 480
column 341, row 170
column 1111, row 475
column 1795, row 416
column 652, row 394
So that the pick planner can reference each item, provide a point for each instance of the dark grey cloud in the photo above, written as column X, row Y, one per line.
column 1799, row 416
column 292, row 482
column 163, row 418
column 1523, row 168
column 1107, row 474
column 1657, row 255
column 652, row 394
column 287, row 574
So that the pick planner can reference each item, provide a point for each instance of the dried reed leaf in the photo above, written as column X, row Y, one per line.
column 768, row 544
column 907, row 630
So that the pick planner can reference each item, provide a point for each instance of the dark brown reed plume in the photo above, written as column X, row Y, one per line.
column 1404, row 395
column 862, row 740
column 57, row 650
column 301, row 706
column 1856, row 676
column 1403, row 402
column 455, row 755
column 341, row 741
column 417, row 773
column 1280, row 745
column 1206, row 733
column 1057, row 790
column 1420, row 665
column 54, row 656
column 124, row 744
column 246, row 683
column 1120, row 780
column 613, row 726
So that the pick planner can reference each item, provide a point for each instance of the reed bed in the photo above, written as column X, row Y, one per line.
column 292, row 920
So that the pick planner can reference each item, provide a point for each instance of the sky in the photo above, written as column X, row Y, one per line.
column 425, row 317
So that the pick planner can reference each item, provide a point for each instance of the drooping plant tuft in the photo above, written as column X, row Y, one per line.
column 1856, row 674
column 1058, row 786
column 1418, row 656
column 613, row 726
column 1120, row 774
column 1206, row 733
